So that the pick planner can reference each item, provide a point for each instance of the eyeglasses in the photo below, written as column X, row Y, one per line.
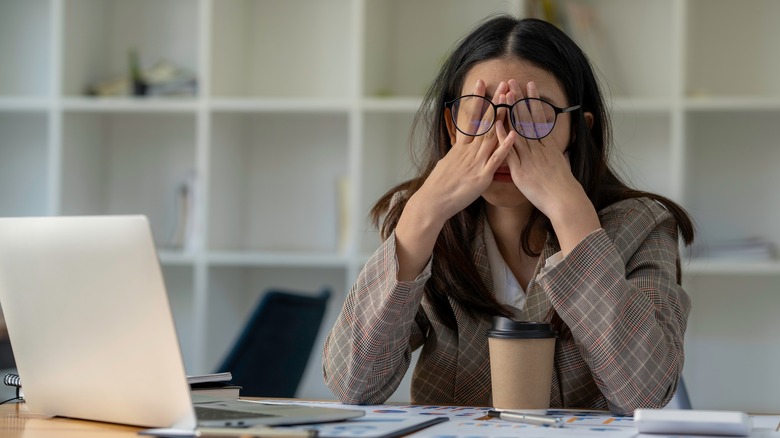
column 531, row 117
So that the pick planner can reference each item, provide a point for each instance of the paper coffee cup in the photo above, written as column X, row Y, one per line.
column 521, row 364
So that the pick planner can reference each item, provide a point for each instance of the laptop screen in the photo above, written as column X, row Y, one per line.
column 89, row 320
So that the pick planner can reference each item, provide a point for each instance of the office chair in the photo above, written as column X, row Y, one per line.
column 270, row 355
column 683, row 401
column 680, row 399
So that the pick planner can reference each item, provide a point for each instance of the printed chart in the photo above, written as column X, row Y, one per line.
column 390, row 421
column 467, row 422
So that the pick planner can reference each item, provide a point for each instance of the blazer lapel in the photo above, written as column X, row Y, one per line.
column 472, row 380
column 537, row 305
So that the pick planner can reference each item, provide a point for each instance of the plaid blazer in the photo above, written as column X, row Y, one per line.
column 620, row 314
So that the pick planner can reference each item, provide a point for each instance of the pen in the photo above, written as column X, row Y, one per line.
column 520, row 417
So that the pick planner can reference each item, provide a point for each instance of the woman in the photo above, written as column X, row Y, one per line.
column 516, row 212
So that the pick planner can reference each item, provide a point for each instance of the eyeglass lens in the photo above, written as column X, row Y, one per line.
column 532, row 118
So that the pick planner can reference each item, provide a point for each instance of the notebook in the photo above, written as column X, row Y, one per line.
column 92, row 331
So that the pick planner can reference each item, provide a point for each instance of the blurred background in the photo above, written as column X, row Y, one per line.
column 256, row 135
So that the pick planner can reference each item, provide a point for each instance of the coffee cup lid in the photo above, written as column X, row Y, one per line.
column 510, row 329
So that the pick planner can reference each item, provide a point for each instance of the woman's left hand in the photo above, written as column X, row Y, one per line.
column 540, row 168
column 541, row 171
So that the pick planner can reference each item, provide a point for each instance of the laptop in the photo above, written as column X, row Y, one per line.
column 93, row 335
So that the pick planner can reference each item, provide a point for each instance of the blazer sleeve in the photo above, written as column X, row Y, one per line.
column 617, row 291
column 369, row 348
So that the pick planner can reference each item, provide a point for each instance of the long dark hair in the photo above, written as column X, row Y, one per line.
column 454, row 275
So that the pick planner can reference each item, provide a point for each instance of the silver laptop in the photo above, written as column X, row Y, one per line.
column 92, row 331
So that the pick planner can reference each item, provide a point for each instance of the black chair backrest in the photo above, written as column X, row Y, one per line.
column 682, row 398
column 270, row 356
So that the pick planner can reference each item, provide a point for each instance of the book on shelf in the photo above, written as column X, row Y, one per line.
column 220, row 390
column 210, row 378
column 184, row 232
column 343, row 188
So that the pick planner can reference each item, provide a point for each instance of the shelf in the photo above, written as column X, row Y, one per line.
column 275, row 181
column 731, row 339
column 24, row 167
column 23, row 104
column 402, row 51
column 100, row 33
column 252, row 41
column 130, row 105
column 392, row 104
column 725, row 62
column 640, row 104
column 386, row 159
column 25, row 48
column 731, row 178
column 733, row 103
column 299, row 98
column 730, row 267
column 277, row 258
column 179, row 284
column 642, row 151
column 629, row 53
column 280, row 105
column 169, row 257
column 255, row 259
column 127, row 163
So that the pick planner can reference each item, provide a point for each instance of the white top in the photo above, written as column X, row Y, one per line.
column 505, row 285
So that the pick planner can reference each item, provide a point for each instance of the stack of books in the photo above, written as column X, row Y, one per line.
column 216, row 385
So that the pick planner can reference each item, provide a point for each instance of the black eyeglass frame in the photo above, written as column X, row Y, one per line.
column 510, row 108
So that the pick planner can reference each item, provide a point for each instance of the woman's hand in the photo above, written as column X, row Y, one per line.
column 541, row 171
column 539, row 167
column 456, row 181
column 467, row 170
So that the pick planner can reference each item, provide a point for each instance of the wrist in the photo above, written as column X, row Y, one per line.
column 573, row 221
column 424, row 213
column 420, row 219
column 415, row 237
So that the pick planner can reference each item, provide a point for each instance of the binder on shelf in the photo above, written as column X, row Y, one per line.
column 183, row 236
column 343, row 187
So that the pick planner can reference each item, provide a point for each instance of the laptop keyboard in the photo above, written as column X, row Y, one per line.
column 204, row 413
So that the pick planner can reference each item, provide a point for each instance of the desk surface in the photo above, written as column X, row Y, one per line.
column 17, row 421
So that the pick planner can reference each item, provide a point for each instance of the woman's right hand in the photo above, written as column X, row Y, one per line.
column 467, row 169
column 456, row 181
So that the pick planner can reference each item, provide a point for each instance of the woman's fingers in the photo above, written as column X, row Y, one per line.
column 515, row 88
column 506, row 142
column 523, row 119
column 538, row 112
column 468, row 167
column 511, row 98
column 470, row 114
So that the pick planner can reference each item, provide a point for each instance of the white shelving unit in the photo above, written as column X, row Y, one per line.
column 297, row 96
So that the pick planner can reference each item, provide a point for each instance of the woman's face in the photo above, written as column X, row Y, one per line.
column 502, row 191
